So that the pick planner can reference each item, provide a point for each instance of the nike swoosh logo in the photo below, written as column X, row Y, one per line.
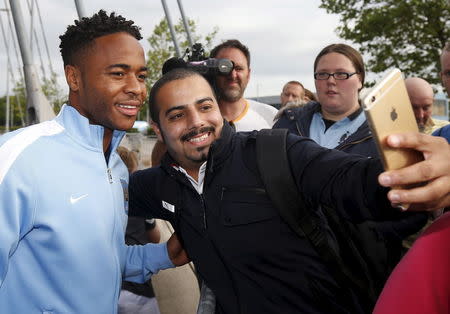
column 73, row 200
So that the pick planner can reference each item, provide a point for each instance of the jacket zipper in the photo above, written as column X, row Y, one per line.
column 202, row 200
column 353, row 143
column 109, row 175
column 111, row 181
column 298, row 128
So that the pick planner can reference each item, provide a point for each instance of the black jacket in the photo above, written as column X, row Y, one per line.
column 240, row 245
column 389, row 233
column 298, row 121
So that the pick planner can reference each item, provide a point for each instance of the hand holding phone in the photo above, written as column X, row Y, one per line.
column 388, row 111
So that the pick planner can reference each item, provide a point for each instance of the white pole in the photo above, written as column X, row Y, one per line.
column 80, row 9
column 38, row 106
column 7, row 100
column 171, row 28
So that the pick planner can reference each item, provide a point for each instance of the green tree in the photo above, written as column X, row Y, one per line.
column 51, row 89
column 17, row 104
column 162, row 48
column 55, row 94
column 406, row 34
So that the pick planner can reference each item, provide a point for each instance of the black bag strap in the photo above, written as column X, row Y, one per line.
column 275, row 172
column 273, row 165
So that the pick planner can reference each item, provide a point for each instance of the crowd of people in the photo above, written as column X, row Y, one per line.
column 68, row 191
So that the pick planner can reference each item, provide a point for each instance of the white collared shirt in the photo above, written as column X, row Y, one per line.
column 198, row 185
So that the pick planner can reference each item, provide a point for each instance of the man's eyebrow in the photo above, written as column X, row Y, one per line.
column 119, row 65
column 175, row 108
column 181, row 107
column 203, row 100
column 126, row 67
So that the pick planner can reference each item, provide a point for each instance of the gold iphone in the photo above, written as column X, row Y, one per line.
column 388, row 110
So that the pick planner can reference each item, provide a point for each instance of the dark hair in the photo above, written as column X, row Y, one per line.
column 80, row 36
column 352, row 54
column 173, row 75
column 231, row 43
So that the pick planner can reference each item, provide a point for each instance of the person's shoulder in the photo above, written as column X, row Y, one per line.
column 433, row 242
column 311, row 106
column 259, row 106
column 146, row 174
column 297, row 112
column 439, row 123
column 294, row 139
column 440, row 225
column 32, row 132
column 445, row 128
column 24, row 140
column 443, row 132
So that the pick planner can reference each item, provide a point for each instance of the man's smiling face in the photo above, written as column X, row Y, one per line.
column 189, row 120
column 109, row 81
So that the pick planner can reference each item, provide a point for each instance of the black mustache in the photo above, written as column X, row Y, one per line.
column 196, row 132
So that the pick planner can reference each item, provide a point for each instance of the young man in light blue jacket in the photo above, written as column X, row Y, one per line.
column 63, row 187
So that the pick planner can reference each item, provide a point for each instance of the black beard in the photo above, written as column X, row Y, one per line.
column 196, row 132
column 201, row 159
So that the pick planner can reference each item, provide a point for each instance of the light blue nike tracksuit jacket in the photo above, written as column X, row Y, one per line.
column 63, row 213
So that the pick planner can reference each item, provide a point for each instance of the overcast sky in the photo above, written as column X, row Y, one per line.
column 283, row 36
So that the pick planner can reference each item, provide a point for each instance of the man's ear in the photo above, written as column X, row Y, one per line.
column 73, row 77
column 157, row 130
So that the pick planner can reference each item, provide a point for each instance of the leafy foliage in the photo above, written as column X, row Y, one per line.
column 407, row 34
column 55, row 95
column 51, row 89
column 17, row 112
column 162, row 47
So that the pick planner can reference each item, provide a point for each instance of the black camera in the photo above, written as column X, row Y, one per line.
column 197, row 61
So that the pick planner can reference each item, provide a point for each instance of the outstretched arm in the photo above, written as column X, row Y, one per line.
column 434, row 171
column 142, row 261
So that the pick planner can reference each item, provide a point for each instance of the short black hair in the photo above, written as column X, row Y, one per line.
column 81, row 35
column 232, row 43
column 172, row 75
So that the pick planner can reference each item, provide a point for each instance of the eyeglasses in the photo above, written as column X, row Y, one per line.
column 337, row 75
